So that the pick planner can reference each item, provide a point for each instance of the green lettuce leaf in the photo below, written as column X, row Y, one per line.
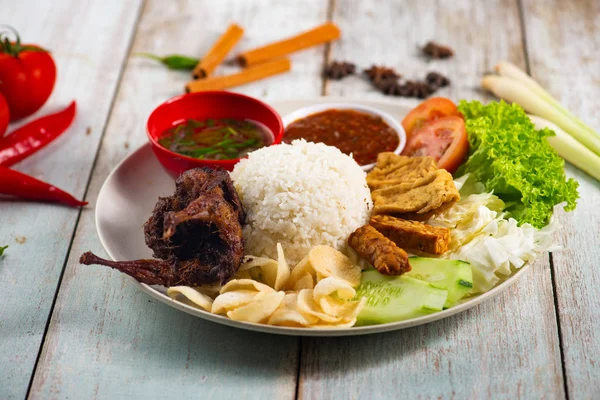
column 515, row 161
column 2, row 248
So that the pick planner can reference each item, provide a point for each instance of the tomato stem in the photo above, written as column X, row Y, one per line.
column 14, row 48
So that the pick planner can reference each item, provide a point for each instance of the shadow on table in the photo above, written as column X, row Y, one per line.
column 190, row 342
column 193, row 343
column 115, row 334
column 339, row 355
column 260, row 354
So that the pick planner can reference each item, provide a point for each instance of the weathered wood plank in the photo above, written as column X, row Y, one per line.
column 89, row 42
column 506, row 347
column 562, row 42
column 107, row 338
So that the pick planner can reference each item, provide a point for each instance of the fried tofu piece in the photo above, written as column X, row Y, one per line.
column 379, row 251
column 413, row 236
column 392, row 169
column 417, row 200
column 410, row 187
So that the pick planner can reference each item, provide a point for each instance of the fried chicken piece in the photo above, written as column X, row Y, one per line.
column 410, row 187
column 188, row 187
column 196, row 181
column 413, row 236
column 148, row 271
column 380, row 251
column 196, row 234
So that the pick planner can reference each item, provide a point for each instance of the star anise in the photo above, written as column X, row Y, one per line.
column 435, row 50
column 436, row 80
column 417, row 89
column 392, row 87
column 378, row 73
column 338, row 70
column 389, row 86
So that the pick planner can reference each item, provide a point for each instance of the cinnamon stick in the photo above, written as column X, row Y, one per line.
column 247, row 75
column 218, row 52
column 321, row 34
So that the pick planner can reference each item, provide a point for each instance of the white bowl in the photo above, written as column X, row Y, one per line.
column 316, row 108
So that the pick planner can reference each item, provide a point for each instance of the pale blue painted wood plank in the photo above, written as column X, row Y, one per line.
column 506, row 348
column 107, row 339
column 563, row 40
column 88, row 41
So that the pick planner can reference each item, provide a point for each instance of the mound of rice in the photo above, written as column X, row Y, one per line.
column 300, row 195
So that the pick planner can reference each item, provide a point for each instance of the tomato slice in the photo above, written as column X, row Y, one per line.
column 444, row 139
column 429, row 110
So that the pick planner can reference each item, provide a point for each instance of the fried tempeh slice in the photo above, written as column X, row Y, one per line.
column 380, row 251
column 412, row 235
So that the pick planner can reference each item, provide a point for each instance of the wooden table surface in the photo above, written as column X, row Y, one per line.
column 72, row 331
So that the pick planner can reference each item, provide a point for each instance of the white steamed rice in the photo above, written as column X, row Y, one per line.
column 300, row 195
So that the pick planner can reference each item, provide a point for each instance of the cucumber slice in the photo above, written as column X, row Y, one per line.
column 453, row 275
column 397, row 298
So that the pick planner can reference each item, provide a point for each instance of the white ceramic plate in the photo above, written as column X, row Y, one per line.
column 131, row 190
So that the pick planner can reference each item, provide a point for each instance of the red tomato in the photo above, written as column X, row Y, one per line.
column 444, row 139
column 4, row 115
column 27, row 76
column 431, row 109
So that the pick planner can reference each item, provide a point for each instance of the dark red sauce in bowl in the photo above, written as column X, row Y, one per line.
column 358, row 133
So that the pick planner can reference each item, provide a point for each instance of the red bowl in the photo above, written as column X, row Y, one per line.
column 205, row 105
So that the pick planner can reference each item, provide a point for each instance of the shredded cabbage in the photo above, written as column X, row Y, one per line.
column 480, row 235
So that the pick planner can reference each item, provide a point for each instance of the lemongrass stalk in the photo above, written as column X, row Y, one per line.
column 509, row 70
column 514, row 91
column 569, row 148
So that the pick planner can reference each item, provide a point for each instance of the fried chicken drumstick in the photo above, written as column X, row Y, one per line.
column 196, row 234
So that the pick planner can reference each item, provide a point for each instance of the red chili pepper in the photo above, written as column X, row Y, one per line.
column 15, row 183
column 4, row 115
column 36, row 135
